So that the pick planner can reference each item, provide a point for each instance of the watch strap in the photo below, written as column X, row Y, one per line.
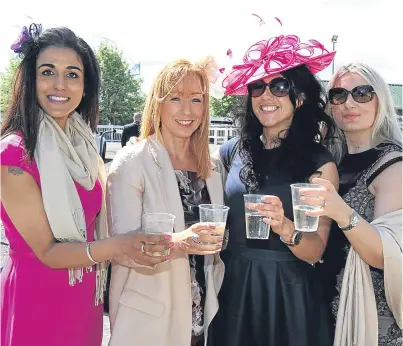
column 293, row 241
column 354, row 221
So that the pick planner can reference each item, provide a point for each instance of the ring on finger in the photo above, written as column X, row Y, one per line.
column 142, row 247
column 195, row 238
column 323, row 204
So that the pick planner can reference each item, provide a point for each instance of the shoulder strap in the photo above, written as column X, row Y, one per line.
column 229, row 159
column 381, row 153
column 381, row 168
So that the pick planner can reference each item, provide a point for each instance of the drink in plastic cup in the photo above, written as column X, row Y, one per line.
column 256, row 228
column 215, row 215
column 302, row 222
column 158, row 223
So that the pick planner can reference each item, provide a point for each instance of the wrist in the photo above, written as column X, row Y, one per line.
column 179, row 237
column 344, row 219
column 119, row 245
column 89, row 253
column 288, row 231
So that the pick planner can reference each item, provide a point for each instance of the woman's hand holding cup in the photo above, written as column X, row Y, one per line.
column 147, row 250
column 201, row 239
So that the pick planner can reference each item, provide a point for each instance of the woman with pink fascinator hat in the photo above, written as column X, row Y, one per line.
column 271, row 294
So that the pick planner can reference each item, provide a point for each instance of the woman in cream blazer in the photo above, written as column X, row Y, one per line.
column 152, row 306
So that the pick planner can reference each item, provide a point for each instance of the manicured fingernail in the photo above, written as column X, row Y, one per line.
column 171, row 244
column 167, row 237
column 167, row 259
column 218, row 246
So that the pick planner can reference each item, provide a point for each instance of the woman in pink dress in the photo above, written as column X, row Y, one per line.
column 52, row 198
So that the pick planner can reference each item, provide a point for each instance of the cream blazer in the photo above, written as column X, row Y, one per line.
column 153, row 306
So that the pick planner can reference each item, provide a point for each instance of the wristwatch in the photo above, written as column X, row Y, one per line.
column 354, row 221
column 295, row 239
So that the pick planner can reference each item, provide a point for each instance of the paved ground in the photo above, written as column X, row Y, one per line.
column 112, row 148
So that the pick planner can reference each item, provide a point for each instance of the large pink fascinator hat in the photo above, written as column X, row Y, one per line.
column 275, row 55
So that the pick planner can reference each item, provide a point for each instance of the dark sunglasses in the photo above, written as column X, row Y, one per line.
column 360, row 94
column 279, row 87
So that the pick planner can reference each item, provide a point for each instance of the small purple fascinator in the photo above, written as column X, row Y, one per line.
column 24, row 36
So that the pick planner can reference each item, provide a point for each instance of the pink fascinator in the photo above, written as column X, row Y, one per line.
column 211, row 69
column 275, row 55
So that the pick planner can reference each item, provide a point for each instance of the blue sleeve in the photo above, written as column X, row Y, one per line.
column 226, row 149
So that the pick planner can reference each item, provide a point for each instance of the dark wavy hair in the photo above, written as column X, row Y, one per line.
column 294, row 154
column 23, row 111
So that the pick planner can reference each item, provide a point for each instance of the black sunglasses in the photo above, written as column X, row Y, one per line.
column 360, row 94
column 279, row 87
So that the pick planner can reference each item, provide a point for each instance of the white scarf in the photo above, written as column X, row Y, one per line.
column 62, row 158
column 357, row 317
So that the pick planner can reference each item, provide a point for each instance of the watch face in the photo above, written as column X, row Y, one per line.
column 298, row 238
column 355, row 219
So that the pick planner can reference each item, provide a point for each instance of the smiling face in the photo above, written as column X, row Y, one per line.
column 182, row 110
column 274, row 113
column 59, row 82
column 351, row 116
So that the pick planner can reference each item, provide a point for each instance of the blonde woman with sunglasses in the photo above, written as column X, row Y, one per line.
column 363, row 261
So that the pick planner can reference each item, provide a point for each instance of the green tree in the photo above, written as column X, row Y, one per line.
column 226, row 106
column 121, row 94
column 6, row 83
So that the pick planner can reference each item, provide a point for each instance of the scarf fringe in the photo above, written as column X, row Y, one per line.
column 101, row 277
column 76, row 274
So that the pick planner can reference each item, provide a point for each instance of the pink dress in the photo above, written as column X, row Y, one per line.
column 38, row 306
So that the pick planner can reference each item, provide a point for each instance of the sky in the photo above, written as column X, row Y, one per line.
column 154, row 32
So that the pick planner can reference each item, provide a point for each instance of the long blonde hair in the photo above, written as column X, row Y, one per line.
column 386, row 127
column 167, row 79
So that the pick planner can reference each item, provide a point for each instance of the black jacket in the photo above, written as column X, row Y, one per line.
column 130, row 130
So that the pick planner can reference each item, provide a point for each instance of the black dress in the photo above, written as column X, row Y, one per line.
column 269, row 297
column 356, row 173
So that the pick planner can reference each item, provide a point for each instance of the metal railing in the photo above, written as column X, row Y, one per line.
column 112, row 136
column 218, row 133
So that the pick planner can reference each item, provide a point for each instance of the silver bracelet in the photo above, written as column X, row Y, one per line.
column 87, row 250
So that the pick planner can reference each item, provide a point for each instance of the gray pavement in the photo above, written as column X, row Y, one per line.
column 111, row 150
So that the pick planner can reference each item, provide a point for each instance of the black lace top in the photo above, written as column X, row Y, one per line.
column 357, row 172
column 193, row 191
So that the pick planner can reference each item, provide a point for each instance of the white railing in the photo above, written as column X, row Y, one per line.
column 218, row 133
column 111, row 137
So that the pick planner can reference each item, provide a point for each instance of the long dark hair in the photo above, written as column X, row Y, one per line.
column 294, row 154
column 23, row 111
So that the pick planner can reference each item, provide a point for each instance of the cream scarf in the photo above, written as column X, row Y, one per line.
column 62, row 158
column 357, row 317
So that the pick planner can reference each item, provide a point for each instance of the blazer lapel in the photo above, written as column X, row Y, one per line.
column 167, row 182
